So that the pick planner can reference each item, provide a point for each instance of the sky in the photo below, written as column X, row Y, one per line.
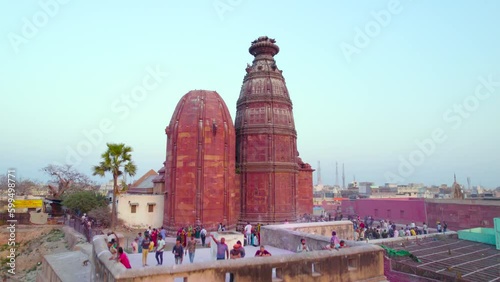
column 397, row 91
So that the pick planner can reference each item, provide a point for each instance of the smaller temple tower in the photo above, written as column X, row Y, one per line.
column 200, row 167
column 457, row 189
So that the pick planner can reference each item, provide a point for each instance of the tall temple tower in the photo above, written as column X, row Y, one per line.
column 266, row 141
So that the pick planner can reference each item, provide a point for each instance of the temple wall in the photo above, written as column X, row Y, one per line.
column 304, row 192
column 200, row 167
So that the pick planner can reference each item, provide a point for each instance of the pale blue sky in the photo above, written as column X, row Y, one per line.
column 366, row 110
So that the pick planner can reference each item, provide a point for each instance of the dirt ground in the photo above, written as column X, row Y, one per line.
column 32, row 243
column 35, row 241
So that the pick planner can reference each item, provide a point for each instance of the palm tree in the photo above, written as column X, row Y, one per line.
column 117, row 160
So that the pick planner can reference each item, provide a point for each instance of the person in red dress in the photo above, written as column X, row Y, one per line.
column 154, row 236
column 122, row 257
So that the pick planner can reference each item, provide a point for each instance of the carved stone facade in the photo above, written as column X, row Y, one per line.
column 200, row 168
column 304, row 190
column 266, row 140
column 216, row 172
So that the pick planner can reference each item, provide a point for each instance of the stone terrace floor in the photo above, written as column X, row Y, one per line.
column 201, row 255
column 449, row 259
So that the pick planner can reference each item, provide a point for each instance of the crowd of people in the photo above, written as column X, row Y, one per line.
column 365, row 229
column 238, row 250
column 252, row 234
column 153, row 240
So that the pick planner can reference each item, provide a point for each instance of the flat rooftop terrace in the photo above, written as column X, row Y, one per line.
column 448, row 259
column 201, row 255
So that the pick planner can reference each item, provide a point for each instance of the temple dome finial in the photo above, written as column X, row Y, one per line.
column 264, row 45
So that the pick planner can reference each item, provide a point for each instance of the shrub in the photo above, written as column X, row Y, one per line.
column 84, row 201
column 103, row 216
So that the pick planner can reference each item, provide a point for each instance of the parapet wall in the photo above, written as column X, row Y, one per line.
column 462, row 214
column 317, row 234
column 458, row 214
column 360, row 262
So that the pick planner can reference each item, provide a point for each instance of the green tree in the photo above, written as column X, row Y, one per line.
column 84, row 201
column 117, row 160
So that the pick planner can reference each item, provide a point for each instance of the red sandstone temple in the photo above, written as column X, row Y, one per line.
column 216, row 172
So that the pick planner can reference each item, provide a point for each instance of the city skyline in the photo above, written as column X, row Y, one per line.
column 462, row 180
column 399, row 91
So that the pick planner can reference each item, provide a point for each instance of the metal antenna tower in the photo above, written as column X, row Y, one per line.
column 336, row 174
column 343, row 176
column 319, row 174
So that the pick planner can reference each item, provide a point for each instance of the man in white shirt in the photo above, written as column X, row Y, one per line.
column 203, row 235
column 248, row 232
column 159, row 250
column 111, row 236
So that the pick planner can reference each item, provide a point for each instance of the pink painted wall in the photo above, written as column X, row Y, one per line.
column 463, row 214
column 399, row 210
column 458, row 214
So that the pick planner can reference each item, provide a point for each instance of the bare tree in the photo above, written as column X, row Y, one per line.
column 67, row 179
column 24, row 186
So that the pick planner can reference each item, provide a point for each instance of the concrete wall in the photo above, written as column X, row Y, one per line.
column 497, row 231
column 317, row 234
column 72, row 237
column 38, row 218
column 142, row 218
column 481, row 235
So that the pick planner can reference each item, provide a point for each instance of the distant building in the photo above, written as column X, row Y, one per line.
column 106, row 189
column 411, row 190
column 140, row 206
column 365, row 188
column 353, row 186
